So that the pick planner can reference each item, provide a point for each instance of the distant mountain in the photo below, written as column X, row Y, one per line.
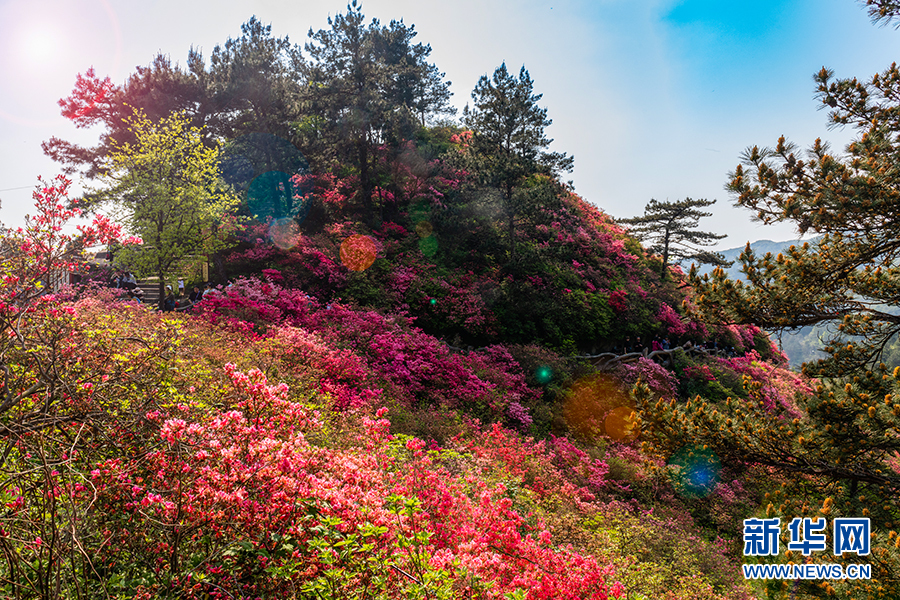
column 802, row 345
column 760, row 247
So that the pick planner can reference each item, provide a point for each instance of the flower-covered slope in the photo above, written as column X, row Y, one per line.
column 198, row 460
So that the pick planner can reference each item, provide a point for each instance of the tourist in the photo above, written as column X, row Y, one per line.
column 169, row 301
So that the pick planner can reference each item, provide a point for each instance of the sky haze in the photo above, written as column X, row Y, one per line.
column 654, row 98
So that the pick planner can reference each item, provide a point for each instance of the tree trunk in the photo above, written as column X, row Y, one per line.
column 365, row 182
column 665, row 261
column 512, row 222
column 219, row 265
column 162, row 290
column 512, row 239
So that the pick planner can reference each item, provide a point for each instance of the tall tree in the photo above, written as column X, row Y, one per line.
column 168, row 184
column 851, row 277
column 415, row 89
column 361, row 85
column 252, row 84
column 343, row 84
column 672, row 229
column 508, row 145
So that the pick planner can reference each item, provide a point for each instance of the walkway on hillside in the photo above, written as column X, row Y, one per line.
column 607, row 361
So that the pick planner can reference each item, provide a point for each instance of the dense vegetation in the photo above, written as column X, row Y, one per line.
column 388, row 397
column 270, row 445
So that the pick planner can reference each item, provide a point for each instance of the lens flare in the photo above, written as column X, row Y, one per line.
column 271, row 195
column 424, row 229
column 621, row 424
column 358, row 252
column 273, row 174
column 428, row 246
column 694, row 471
column 284, row 233
column 543, row 374
column 44, row 43
column 589, row 401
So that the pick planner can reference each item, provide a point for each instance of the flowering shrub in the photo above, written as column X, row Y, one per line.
column 255, row 303
column 239, row 502
column 342, row 375
column 415, row 365
column 582, row 280
column 42, row 249
column 661, row 381
column 700, row 372
column 215, row 481
column 662, row 556
column 671, row 320
column 776, row 386
column 617, row 300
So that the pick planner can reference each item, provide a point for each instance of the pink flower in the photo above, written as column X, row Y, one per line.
column 414, row 444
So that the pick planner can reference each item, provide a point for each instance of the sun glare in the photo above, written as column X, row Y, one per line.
column 38, row 46
column 44, row 44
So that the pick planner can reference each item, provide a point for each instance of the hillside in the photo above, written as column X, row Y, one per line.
column 426, row 367
column 308, row 431
column 276, row 445
column 196, row 459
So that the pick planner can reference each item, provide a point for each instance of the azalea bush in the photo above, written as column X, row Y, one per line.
column 773, row 384
column 40, row 387
column 661, row 381
column 276, row 445
column 186, row 477
column 579, row 282
column 238, row 500
column 415, row 366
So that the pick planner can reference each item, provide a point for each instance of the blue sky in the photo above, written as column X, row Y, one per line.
column 654, row 98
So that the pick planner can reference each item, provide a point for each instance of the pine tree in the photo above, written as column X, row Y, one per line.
column 365, row 87
column 851, row 276
column 835, row 451
column 251, row 84
column 360, row 91
column 672, row 229
column 508, row 146
column 415, row 89
column 884, row 11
